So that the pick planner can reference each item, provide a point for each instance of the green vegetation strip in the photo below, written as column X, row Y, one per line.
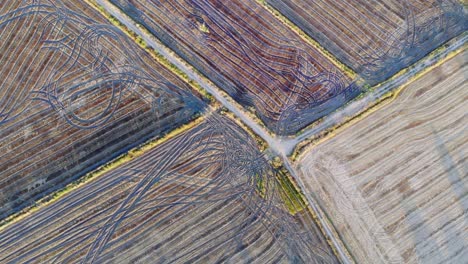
column 289, row 193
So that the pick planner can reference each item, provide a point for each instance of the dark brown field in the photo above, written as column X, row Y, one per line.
column 74, row 94
column 249, row 53
column 376, row 38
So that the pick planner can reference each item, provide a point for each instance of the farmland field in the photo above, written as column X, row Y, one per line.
column 235, row 131
column 251, row 55
column 207, row 195
column 74, row 94
column 377, row 38
column 395, row 184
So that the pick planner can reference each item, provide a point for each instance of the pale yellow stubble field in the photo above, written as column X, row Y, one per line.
column 395, row 184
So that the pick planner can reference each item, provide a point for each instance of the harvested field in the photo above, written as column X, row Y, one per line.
column 207, row 195
column 75, row 92
column 377, row 38
column 395, row 183
column 251, row 55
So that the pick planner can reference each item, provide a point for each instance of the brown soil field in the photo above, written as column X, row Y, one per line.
column 376, row 38
column 75, row 93
column 250, row 54
column 395, row 184
column 207, row 195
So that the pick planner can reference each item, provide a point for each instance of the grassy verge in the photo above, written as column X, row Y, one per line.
column 289, row 192
column 293, row 199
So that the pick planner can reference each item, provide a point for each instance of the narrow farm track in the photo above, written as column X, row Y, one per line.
column 247, row 52
column 74, row 94
column 194, row 198
column 394, row 184
column 377, row 38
